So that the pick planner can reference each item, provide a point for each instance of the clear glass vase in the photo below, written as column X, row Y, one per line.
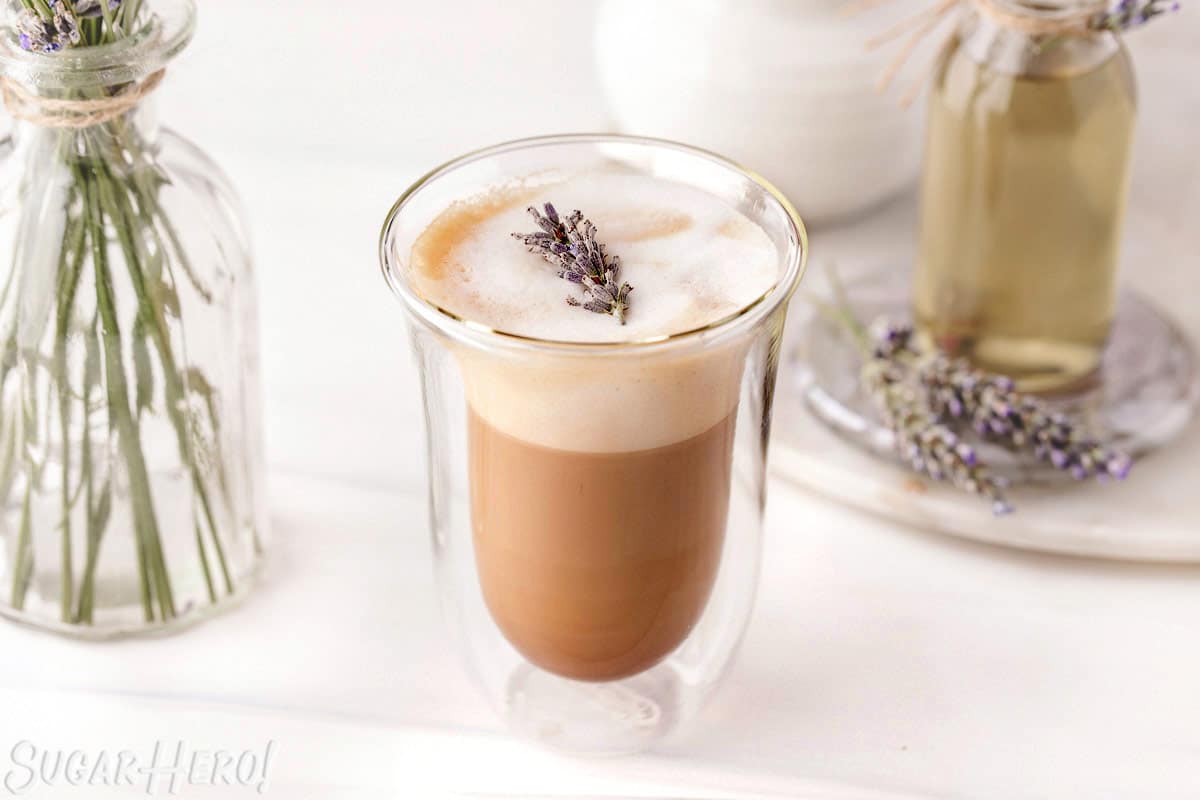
column 1024, row 189
column 598, row 591
column 130, row 457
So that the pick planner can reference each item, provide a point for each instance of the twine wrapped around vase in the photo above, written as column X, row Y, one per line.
column 916, row 27
column 51, row 112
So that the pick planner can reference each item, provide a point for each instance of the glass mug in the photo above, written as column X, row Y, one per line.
column 597, row 588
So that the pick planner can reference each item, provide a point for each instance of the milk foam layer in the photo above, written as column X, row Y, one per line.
column 692, row 260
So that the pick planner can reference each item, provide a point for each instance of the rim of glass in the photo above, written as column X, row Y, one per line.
column 443, row 319
column 167, row 28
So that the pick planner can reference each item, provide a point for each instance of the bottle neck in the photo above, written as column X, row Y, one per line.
column 1055, row 9
column 1044, row 39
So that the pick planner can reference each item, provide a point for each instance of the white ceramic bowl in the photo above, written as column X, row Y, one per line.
column 786, row 87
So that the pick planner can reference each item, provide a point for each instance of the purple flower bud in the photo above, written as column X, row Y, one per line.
column 1118, row 466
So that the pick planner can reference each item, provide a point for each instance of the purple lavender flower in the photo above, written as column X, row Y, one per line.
column 49, row 34
column 571, row 246
column 1126, row 14
column 33, row 33
column 928, row 446
column 92, row 8
column 923, row 397
column 41, row 35
column 991, row 407
column 1000, row 414
column 66, row 28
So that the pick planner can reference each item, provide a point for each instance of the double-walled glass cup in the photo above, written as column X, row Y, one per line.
column 596, row 509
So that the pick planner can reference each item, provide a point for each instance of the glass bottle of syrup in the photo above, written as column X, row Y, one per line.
column 1023, row 195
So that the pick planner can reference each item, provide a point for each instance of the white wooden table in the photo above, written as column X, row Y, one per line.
column 881, row 661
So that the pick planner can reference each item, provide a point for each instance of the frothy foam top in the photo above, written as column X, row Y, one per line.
column 691, row 258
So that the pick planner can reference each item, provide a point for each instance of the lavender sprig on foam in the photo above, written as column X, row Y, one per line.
column 570, row 245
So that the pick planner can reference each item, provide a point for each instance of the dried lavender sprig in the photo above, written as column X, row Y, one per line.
column 996, row 412
column 570, row 245
column 1126, row 14
column 66, row 23
column 928, row 446
column 37, row 34
column 48, row 26
column 93, row 8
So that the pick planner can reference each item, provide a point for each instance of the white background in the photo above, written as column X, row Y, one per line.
column 882, row 661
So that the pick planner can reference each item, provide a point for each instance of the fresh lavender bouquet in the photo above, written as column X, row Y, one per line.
column 127, row 427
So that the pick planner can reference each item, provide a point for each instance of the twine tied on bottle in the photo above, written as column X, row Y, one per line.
column 916, row 27
column 52, row 112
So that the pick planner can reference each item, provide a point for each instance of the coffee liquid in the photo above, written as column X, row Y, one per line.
column 597, row 565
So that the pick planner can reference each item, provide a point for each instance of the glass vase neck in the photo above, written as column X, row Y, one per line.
column 166, row 28
column 140, row 123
